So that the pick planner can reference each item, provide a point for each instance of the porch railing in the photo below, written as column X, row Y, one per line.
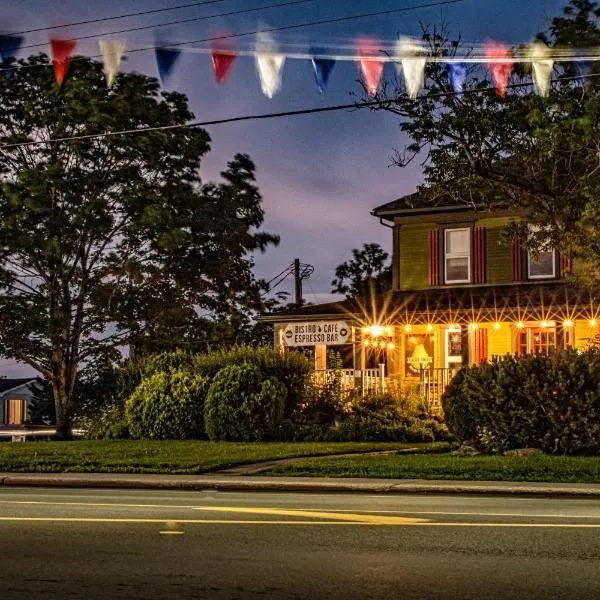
column 369, row 380
column 432, row 384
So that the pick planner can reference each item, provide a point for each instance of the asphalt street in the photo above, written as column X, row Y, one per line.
column 60, row 543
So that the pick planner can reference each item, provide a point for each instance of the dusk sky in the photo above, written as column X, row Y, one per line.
column 320, row 175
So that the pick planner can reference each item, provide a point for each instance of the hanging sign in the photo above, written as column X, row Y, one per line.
column 330, row 333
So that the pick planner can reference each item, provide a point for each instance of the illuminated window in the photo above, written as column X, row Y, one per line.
column 545, row 265
column 14, row 412
column 536, row 340
column 457, row 255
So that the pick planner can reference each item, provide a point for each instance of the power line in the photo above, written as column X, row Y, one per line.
column 263, row 116
column 124, row 16
column 183, row 21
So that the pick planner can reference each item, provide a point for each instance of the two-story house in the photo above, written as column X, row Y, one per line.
column 460, row 295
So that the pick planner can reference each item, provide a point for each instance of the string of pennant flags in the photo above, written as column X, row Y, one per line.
column 408, row 55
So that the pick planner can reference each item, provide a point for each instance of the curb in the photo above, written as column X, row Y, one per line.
column 295, row 484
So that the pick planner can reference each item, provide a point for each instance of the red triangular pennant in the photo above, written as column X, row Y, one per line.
column 61, row 51
column 500, row 69
column 370, row 69
column 222, row 60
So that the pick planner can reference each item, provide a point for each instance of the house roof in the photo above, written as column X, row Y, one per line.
column 10, row 384
column 523, row 301
column 417, row 203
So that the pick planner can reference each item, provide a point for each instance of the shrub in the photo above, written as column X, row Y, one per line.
column 548, row 402
column 290, row 368
column 167, row 405
column 105, row 423
column 243, row 404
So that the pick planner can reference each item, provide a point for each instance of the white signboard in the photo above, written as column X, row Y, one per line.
column 330, row 333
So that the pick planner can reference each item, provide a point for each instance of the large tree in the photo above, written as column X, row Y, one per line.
column 114, row 240
column 538, row 155
column 367, row 272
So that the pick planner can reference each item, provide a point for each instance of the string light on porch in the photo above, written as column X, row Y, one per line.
column 378, row 336
column 497, row 326
column 472, row 326
column 593, row 323
column 520, row 325
column 567, row 323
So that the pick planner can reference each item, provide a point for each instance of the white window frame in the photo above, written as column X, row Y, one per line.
column 466, row 255
column 536, row 228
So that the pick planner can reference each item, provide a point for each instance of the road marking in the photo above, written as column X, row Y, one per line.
column 314, row 514
column 407, row 523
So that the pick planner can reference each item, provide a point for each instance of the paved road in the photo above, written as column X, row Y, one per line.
column 157, row 544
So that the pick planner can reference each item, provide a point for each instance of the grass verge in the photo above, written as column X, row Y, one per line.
column 555, row 469
column 191, row 457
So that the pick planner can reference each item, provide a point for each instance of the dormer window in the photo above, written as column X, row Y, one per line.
column 457, row 255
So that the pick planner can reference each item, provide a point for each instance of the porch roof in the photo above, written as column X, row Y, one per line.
column 523, row 301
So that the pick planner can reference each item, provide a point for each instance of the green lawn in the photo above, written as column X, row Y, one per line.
column 162, row 457
column 566, row 469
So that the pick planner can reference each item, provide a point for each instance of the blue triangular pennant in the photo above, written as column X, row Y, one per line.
column 165, row 61
column 9, row 46
column 457, row 74
column 323, row 68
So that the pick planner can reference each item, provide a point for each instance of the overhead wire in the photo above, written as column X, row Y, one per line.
column 179, row 22
column 274, row 115
column 117, row 17
column 254, row 32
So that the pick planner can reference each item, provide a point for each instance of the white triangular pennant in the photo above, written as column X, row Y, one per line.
column 112, row 54
column 269, row 64
column 410, row 54
column 541, row 67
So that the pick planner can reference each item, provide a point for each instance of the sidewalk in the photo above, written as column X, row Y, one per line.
column 295, row 484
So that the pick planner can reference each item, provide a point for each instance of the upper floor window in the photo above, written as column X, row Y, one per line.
column 545, row 265
column 457, row 255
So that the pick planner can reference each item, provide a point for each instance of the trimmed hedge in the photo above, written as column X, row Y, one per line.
column 549, row 402
column 167, row 405
column 243, row 404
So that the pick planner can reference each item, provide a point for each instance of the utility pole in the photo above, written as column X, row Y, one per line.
column 297, row 283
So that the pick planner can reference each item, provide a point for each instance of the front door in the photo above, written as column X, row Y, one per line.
column 453, row 350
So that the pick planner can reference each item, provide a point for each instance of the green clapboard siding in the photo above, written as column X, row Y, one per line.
column 498, row 254
column 414, row 256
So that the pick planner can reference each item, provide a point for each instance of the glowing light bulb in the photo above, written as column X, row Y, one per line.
column 429, row 327
column 376, row 330
column 544, row 324
column 593, row 322
column 520, row 325
column 407, row 328
column 365, row 342
column 472, row 326
column 567, row 323
column 496, row 326
column 390, row 346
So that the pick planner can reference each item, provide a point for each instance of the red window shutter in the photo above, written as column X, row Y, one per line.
column 434, row 257
column 481, row 346
column 516, row 262
column 565, row 265
column 479, row 258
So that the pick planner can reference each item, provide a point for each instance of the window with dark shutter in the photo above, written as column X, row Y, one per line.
column 434, row 257
column 516, row 262
column 479, row 258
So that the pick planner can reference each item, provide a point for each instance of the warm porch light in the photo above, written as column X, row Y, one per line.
column 376, row 330
column 391, row 346
column 520, row 325
column 593, row 322
column 407, row 328
column 365, row 342
column 496, row 326
column 429, row 327
column 567, row 323
column 472, row 326
column 544, row 324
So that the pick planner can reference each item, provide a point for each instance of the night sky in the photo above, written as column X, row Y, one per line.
column 320, row 175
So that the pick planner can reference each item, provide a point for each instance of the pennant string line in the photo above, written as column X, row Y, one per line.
column 307, row 111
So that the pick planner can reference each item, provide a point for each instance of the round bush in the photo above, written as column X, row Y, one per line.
column 243, row 405
column 548, row 402
column 167, row 405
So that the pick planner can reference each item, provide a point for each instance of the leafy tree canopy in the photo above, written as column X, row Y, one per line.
column 367, row 272
column 115, row 240
column 537, row 155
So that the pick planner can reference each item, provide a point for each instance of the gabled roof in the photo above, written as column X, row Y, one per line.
column 544, row 301
column 6, row 385
column 418, row 203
